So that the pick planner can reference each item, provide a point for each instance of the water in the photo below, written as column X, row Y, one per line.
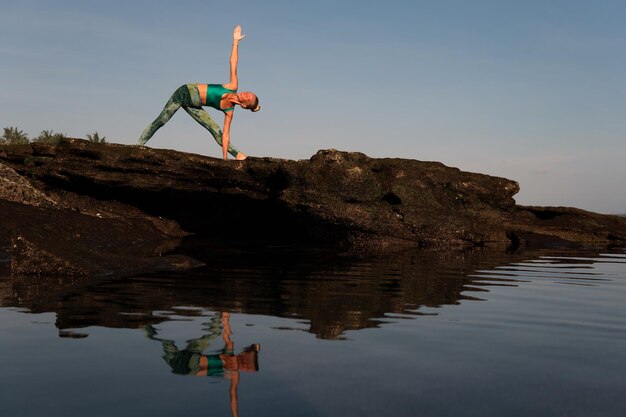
column 480, row 333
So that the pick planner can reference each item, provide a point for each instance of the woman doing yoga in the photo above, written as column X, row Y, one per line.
column 223, row 97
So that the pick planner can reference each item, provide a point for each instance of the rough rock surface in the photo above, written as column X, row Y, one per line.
column 338, row 198
column 14, row 187
column 44, row 241
column 60, row 233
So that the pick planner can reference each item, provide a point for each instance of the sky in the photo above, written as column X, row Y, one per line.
column 533, row 91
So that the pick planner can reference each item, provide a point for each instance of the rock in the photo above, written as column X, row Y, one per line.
column 58, row 241
column 30, row 259
column 338, row 198
column 14, row 187
column 564, row 226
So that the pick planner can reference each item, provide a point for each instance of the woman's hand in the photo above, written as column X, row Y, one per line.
column 237, row 36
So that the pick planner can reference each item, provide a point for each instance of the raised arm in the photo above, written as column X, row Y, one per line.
column 234, row 57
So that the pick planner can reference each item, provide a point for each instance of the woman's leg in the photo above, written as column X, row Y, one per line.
column 172, row 105
column 202, row 117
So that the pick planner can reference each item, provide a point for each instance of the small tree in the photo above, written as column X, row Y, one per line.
column 48, row 136
column 96, row 138
column 14, row 136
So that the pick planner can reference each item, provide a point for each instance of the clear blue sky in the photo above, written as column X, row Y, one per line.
column 529, row 90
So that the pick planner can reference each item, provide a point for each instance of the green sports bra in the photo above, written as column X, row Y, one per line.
column 214, row 93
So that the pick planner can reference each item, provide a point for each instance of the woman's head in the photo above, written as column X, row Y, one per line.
column 249, row 100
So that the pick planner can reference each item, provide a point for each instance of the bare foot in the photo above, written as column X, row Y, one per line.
column 240, row 156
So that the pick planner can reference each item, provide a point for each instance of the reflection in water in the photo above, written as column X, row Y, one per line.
column 570, row 270
column 333, row 293
column 549, row 340
column 193, row 360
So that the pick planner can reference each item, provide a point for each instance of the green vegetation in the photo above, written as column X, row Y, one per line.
column 13, row 136
column 96, row 138
column 49, row 137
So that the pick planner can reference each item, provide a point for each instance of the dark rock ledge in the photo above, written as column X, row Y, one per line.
column 87, row 209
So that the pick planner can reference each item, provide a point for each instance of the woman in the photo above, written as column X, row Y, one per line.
column 223, row 97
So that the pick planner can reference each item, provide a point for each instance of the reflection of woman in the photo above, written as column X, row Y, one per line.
column 223, row 97
column 192, row 360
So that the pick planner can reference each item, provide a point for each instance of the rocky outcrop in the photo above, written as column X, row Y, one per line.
column 14, row 187
column 43, row 235
column 339, row 198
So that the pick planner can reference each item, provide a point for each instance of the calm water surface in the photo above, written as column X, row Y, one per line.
column 293, row 333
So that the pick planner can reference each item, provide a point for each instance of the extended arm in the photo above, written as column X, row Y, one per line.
column 234, row 58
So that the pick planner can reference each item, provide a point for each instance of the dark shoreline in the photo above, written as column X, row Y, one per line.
column 89, row 209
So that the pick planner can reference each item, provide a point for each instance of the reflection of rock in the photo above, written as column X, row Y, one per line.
column 332, row 294
column 335, row 197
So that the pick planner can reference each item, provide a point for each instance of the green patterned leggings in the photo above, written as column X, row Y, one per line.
column 187, row 97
